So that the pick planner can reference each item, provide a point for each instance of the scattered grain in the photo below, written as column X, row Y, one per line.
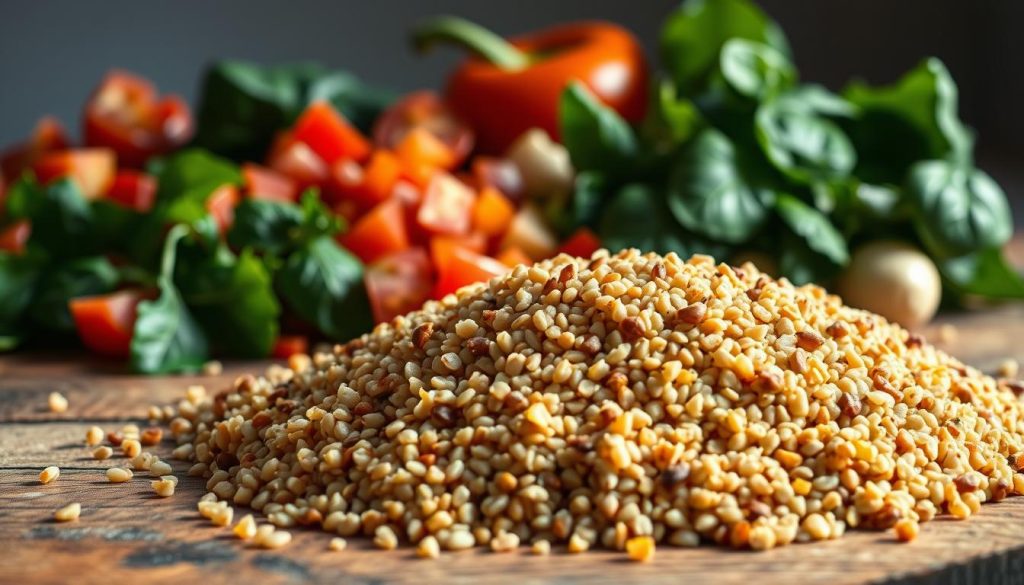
column 49, row 474
column 68, row 513
column 57, row 403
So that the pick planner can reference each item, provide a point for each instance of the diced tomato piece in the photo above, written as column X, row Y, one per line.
column 530, row 233
column 126, row 114
column 285, row 346
column 442, row 248
column 297, row 161
column 221, row 205
column 425, row 110
column 48, row 136
column 329, row 135
column 447, row 206
column 398, row 283
column 493, row 212
column 513, row 256
column 263, row 183
column 367, row 186
column 582, row 243
column 420, row 146
column 466, row 267
column 133, row 189
column 500, row 173
column 14, row 237
column 92, row 169
column 105, row 322
column 380, row 232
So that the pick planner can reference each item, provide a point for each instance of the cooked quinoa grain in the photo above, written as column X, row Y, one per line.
column 57, row 403
column 68, row 513
column 102, row 452
column 119, row 474
column 622, row 402
column 49, row 474
column 93, row 436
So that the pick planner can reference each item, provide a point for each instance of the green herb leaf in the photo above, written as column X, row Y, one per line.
column 694, row 35
column 755, row 70
column 86, row 276
column 18, row 277
column 672, row 120
column 186, row 181
column 913, row 119
column 277, row 228
column 802, row 265
column 958, row 209
column 323, row 284
column 985, row 273
column 595, row 135
column 804, row 145
column 62, row 220
column 709, row 194
column 814, row 227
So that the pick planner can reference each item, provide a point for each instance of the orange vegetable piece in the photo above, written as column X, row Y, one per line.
column 513, row 256
column 464, row 268
column 329, row 134
column 105, row 322
column 583, row 242
column 221, row 205
column 493, row 212
column 447, row 206
column 264, row 183
column 92, row 169
column 14, row 237
column 285, row 346
column 378, row 233
column 442, row 248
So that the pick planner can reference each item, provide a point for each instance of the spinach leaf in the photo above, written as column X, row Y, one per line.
column 596, row 137
column 800, row 142
column 986, row 273
column 913, row 119
column 584, row 205
column 86, row 276
column 166, row 338
column 802, row 265
column 813, row 226
column 694, row 35
column 62, row 220
column 186, row 181
column 243, row 105
column 672, row 119
column 710, row 195
column 957, row 209
column 323, row 284
column 18, row 277
column 277, row 228
column 755, row 70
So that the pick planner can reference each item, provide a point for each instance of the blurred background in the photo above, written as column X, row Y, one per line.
column 53, row 53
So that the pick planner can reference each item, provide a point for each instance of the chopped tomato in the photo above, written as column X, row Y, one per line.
column 380, row 232
column 297, row 161
column 398, row 283
column 447, row 206
column 221, row 205
column 92, row 169
column 133, row 189
column 126, row 114
column 513, row 256
column 105, row 322
column 425, row 110
column 442, row 248
column 493, row 212
column 529, row 232
column 466, row 267
column 329, row 135
column 500, row 173
column 582, row 243
column 423, row 156
column 264, row 183
column 366, row 186
column 285, row 346
column 48, row 136
column 14, row 237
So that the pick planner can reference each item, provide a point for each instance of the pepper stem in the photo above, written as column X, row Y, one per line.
column 472, row 37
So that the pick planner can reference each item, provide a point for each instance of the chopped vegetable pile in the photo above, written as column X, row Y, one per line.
column 301, row 204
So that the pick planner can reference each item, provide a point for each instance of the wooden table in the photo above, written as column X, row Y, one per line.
column 127, row 534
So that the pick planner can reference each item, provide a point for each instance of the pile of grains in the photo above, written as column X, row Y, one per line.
column 621, row 402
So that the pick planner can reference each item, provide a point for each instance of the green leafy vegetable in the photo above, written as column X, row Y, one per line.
column 984, row 273
column 755, row 70
column 62, row 220
column 694, row 35
column 596, row 136
column 813, row 226
column 804, row 145
column 265, row 226
column 186, row 181
column 18, row 278
column 323, row 284
column 86, row 276
column 957, row 209
column 710, row 195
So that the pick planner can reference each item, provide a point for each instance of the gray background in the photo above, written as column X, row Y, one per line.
column 53, row 52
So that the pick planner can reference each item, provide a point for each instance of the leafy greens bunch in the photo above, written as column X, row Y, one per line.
column 738, row 155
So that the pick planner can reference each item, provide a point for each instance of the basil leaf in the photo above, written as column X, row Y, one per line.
column 596, row 137
column 86, row 276
column 62, row 220
column 710, row 195
column 186, row 181
column 957, row 209
column 985, row 273
column 265, row 226
column 673, row 119
column 805, row 146
column 814, row 227
column 323, row 284
column 694, row 35
column 166, row 338
column 913, row 119
column 755, row 70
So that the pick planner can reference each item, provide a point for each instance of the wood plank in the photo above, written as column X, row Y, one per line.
column 125, row 532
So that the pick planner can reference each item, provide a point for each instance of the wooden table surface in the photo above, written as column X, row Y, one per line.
column 126, row 533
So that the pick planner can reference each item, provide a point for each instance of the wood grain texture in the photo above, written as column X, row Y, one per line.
column 127, row 533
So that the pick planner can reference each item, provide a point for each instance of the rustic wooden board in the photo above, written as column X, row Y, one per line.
column 126, row 533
